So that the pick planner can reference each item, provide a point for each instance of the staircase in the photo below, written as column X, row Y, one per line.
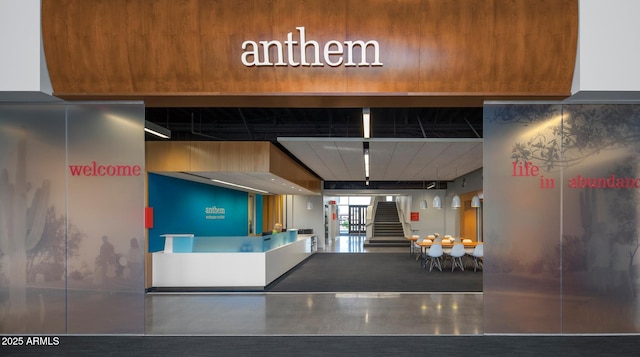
column 387, row 228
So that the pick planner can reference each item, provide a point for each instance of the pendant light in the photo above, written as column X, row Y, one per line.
column 455, row 203
column 475, row 201
column 437, row 202
column 423, row 204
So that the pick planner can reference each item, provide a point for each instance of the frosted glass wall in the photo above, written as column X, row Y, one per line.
column 521, row 218
column 32, row 219
column 561, row 220
column 71, row 174
column 600, row 218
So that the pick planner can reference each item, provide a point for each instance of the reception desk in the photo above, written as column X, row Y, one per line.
column 231, row 263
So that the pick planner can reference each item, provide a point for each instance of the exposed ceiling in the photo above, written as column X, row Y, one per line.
column 408, row 146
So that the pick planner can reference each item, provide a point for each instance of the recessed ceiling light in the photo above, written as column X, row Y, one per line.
column 240, row 186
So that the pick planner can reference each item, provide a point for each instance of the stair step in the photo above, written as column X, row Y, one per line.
column 387, row 228
column 385, row 243
column 390, row 239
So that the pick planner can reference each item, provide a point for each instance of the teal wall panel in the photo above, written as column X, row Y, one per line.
column 187, row 207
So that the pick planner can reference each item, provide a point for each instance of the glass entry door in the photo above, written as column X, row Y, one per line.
column 357, row 219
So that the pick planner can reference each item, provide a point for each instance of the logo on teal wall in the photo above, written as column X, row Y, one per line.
column 214, row 212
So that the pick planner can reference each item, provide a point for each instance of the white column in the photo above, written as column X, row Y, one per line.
column 608, row 51
column 23, row 67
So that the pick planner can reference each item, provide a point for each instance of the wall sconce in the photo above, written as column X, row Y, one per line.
column 309, row 204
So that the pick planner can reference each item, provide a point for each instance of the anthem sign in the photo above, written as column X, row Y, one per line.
column 293, row 52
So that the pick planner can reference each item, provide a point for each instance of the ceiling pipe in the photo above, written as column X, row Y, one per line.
column 472, row 128
column 424, row 135
column 199, row 133
column 246, row 125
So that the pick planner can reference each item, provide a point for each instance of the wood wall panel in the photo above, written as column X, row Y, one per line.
column 167, row 156
column 396, row 25
column 227, row 156
column 282, row 165
column 323, row 20
column 468, row 217
column 230, row 156
column 162, row 40
column 138, row 49
column 272, row 212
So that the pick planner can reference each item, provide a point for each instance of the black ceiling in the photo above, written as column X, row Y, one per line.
column 267, row 124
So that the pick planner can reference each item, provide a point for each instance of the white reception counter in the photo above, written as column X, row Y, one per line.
column 252, row 270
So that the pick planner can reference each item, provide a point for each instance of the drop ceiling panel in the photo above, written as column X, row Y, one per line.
column 352, row 154
column 341, row 159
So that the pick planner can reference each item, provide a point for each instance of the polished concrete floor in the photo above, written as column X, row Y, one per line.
column 340, row 313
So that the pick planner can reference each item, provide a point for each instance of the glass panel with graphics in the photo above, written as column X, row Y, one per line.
column 600, row 219
column 522, row 279
column 105, row 211
column 33, row 241
column 575, row 162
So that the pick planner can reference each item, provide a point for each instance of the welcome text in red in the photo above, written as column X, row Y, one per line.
column 94, row 169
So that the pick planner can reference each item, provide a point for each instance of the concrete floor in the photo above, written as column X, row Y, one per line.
column 389, row 313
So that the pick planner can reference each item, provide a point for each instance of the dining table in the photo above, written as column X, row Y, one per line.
column 446, row 246
column 428, row 244
column 412, row 240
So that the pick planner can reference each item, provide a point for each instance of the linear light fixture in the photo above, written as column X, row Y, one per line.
column 157, row 130
column 236, row 185
column 366, row 163
column 366, row 160
column 366, row 122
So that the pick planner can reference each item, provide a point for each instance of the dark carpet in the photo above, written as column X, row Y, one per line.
column 491, row 346
column 373, row 272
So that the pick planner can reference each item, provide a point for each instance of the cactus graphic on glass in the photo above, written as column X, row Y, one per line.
column 21, row 227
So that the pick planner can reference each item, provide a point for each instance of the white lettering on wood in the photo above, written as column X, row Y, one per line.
column 334, row 53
